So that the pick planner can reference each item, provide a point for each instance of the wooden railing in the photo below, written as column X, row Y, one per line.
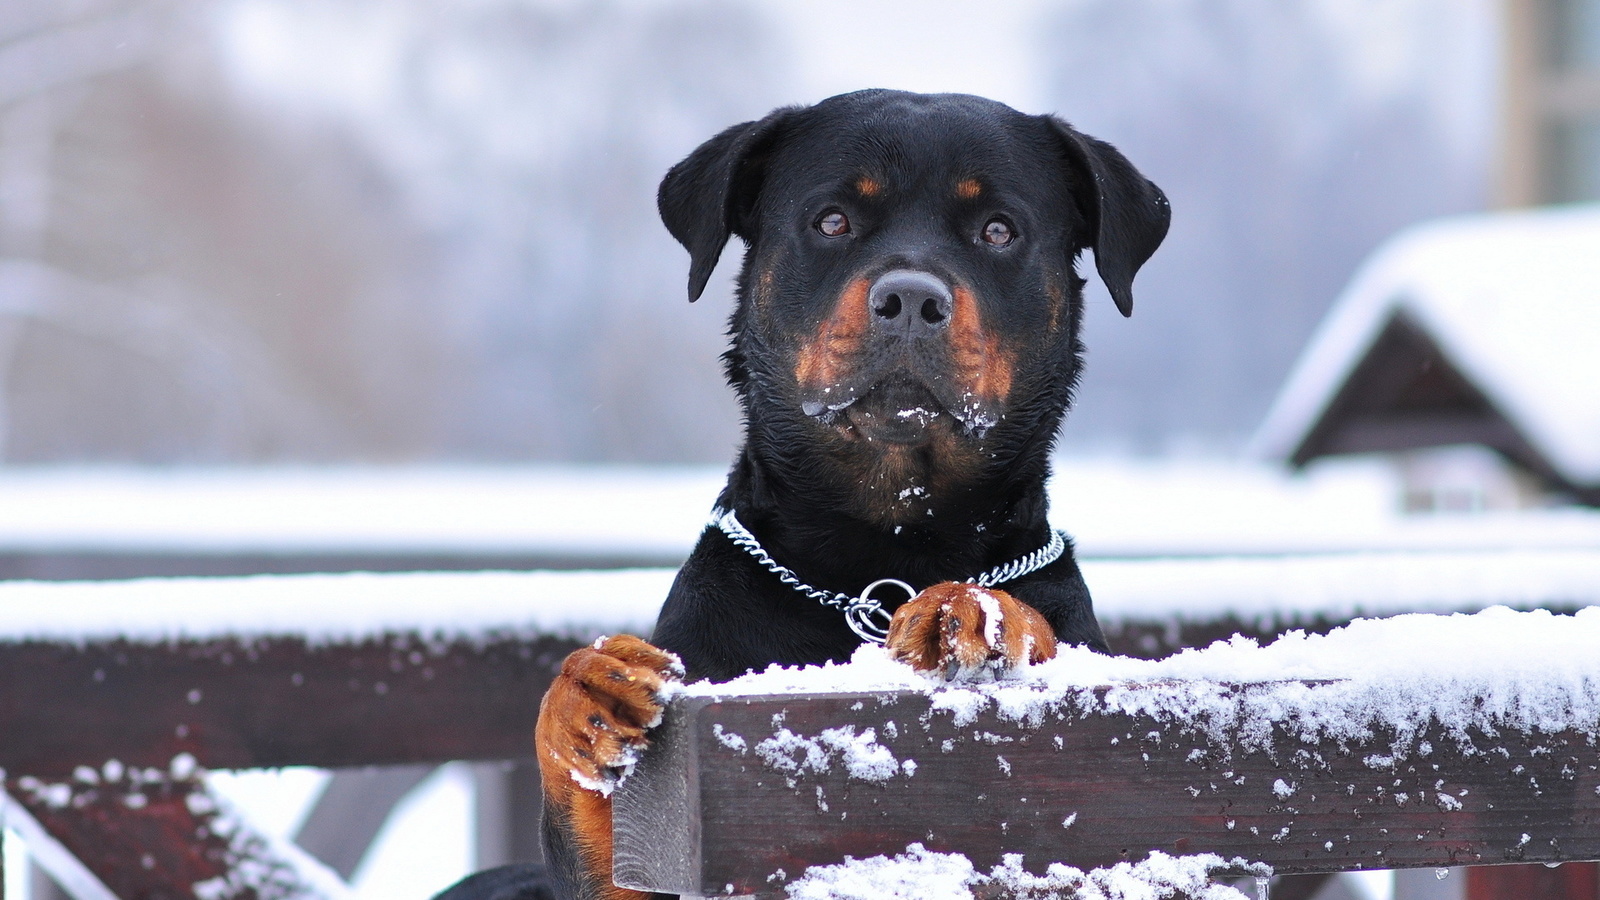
column 711, row 810
column 1430, row 742
column 101, row 742
column 89, row 735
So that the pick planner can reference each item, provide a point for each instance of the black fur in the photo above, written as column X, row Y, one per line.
column 519, row 881
column 764, row 181
column 828, row 500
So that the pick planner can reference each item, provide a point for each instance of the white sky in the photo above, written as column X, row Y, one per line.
column 929, row 46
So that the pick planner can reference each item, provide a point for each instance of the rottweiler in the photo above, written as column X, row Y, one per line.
column 905, row 344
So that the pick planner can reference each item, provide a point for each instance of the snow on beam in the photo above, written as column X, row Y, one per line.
column 346, row 670
column 1414, row 741
column 333, row 609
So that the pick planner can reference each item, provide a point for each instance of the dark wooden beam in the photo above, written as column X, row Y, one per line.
column 99, row 565
column 705, row 809
column 124, row 831
column 274, row 702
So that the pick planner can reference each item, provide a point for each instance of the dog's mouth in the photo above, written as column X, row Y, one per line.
column 897, row 410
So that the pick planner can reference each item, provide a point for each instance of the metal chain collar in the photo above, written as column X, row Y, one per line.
column 862, row 612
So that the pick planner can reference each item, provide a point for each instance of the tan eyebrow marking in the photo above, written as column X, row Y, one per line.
column 868, row 186
column 967, row 188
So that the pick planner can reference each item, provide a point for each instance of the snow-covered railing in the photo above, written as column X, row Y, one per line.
column 1417, row 741
column 114, row 696
column 104, row 685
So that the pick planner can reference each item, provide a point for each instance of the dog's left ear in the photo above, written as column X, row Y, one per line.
column 1128, row 214
column 712, row 193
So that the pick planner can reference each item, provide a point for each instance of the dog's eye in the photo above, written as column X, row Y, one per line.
column 834, row 224
column 998, row 232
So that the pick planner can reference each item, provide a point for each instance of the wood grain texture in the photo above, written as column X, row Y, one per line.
column 151, row 834
column 277, row 702
column 704, row 815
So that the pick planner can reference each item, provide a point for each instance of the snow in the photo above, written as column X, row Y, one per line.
column 426, row 844
column 1111, row 507
column 1340, row 586
column 1509, row 297
column 336, row 608
column 864, row 758
column 1496, row 669
column 920, row 874
column 992, row 616
column 574, row 510
column 1133, row 508
column 581, row 605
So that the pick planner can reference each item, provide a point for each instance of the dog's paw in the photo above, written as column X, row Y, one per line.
column 593, row 720
column 963, row 632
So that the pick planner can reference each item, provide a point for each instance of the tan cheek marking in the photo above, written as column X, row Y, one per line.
column 983, row 368
column 868, row 186
column 764, row 290
column 1058, row 299
column 968, row 188
column 822, row 359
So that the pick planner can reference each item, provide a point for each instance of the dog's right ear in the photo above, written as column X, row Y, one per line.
column 712, row 193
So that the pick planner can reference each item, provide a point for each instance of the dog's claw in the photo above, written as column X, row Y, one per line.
column 594, row 718
column 962, row 632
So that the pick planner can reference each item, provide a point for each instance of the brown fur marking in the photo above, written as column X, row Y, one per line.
column 867, row 186
column 1058, row 299
column 968, row 188
column 838, row 338
column 943, row 629
column 764, row 289
column 981, row 366
column 594, row 715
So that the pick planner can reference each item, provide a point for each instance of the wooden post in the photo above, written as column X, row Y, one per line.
column 741, row 795
column 510, row 802
column 352, row 809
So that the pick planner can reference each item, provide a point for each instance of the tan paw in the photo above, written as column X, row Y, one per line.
column 963, row 632
column 593, row 720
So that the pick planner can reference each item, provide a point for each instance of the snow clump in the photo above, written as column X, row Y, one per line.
column 920, row 874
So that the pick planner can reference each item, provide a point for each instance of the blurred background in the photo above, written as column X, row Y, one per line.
column 325, row 285
column 249, row 231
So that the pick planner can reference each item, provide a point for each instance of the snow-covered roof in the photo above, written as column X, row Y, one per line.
column 1511, row 299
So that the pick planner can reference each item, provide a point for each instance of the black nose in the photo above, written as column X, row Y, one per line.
column 916, row 301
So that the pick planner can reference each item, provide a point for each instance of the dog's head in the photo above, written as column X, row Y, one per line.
column 909, row 306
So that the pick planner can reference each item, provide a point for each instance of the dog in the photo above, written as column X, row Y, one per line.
column 904, row 346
